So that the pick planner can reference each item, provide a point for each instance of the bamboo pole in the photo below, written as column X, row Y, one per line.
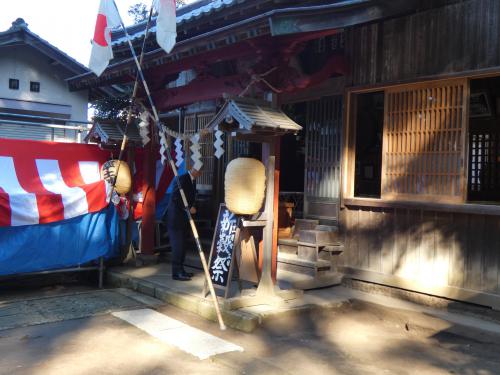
column 174, row 170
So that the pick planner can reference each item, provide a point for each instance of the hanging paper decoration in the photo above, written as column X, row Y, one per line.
column 196, row 154
column 144, row 127
column 174, row 134
column 163, row 147
column 219, row 144
column 178, row 153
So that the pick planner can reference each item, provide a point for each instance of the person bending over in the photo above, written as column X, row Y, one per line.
column 178, row 223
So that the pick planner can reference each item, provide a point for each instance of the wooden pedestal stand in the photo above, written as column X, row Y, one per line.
column 267, row 293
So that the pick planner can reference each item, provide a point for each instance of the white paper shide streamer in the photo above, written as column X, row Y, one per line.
column 178, row 152
column 195, row 152
column 144, row 127
column 218, row 144
column 163, row 147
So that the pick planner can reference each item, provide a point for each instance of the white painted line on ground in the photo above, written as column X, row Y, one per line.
column 191, row 340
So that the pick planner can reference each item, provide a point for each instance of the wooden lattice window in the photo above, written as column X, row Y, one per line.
column 193, row 124
column 424, row 141
column 484, row 165
column 322, row 159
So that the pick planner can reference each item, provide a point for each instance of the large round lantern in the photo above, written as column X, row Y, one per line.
column 123, row 180
column 245, row 185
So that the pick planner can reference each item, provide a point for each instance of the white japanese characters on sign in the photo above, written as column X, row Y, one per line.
column 224, row 244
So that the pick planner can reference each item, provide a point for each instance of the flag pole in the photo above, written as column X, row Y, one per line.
column 129, row 113
column 174, row 170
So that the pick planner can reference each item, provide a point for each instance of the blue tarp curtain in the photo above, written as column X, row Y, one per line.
column 62, row 244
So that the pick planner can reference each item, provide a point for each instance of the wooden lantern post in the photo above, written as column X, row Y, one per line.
column 266, row 129
column 266, row 283
column 277, row 160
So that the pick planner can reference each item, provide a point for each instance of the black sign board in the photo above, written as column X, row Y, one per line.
column 223, row 245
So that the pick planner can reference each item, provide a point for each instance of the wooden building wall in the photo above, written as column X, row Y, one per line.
column 450, row 254
column 460, row 37
column 454, row 251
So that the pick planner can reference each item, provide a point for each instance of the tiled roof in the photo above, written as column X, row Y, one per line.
column 185, row 14
column 20, row 26
column 254, row 116
column 113, row 133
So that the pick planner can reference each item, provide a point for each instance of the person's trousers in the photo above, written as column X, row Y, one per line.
column 177, row 227
column 177, row 240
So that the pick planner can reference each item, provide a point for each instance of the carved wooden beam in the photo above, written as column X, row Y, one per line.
column 199, row 90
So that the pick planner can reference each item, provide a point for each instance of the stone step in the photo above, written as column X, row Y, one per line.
column 303, row 224
column 293, row 263
column 307, row 282
column 318, row 237
column 288, row 249
column 334, row 249
column 327, row 228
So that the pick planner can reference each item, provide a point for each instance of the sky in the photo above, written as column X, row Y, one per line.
column 66, row 24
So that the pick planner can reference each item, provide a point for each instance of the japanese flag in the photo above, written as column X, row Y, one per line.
column 107, row 19
column 166, row 24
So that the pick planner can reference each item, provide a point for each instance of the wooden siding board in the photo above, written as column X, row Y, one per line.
column 385, row 52
column 491, row 247
column 351, row 236
column 446, row 249
column 350, row 40
column 408, row 48
column 398, row 55
column 497, row 248
column 431, row 37
column 372, row 43
column 458, row 63
column 355, row 239
column 362, row 47
column 455, row 250
column 401, row 234
column 365, row 238
column 375, row 249
column 443, row 242
column 458, row 251
column 474, row 253
column 458, row 37
column 467, row 35
column 481, row 34
column 343, row 258
column 413, row 258
column 492, row 31
column 427, row 248
column 387, row 231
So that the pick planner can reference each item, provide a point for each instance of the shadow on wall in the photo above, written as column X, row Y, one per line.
column 428, row 247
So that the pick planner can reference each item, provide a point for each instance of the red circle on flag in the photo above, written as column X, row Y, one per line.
column 100, row 29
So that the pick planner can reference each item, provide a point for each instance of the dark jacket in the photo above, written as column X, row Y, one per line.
column 176, row 215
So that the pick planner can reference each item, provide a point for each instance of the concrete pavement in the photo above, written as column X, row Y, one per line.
column 155, row 281
column 357, row 338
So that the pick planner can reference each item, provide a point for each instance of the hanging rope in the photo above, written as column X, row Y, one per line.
column 256, row 78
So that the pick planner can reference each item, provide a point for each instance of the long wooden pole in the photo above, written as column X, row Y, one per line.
column 174, row 169
column 147, row 196
column 129, row 112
